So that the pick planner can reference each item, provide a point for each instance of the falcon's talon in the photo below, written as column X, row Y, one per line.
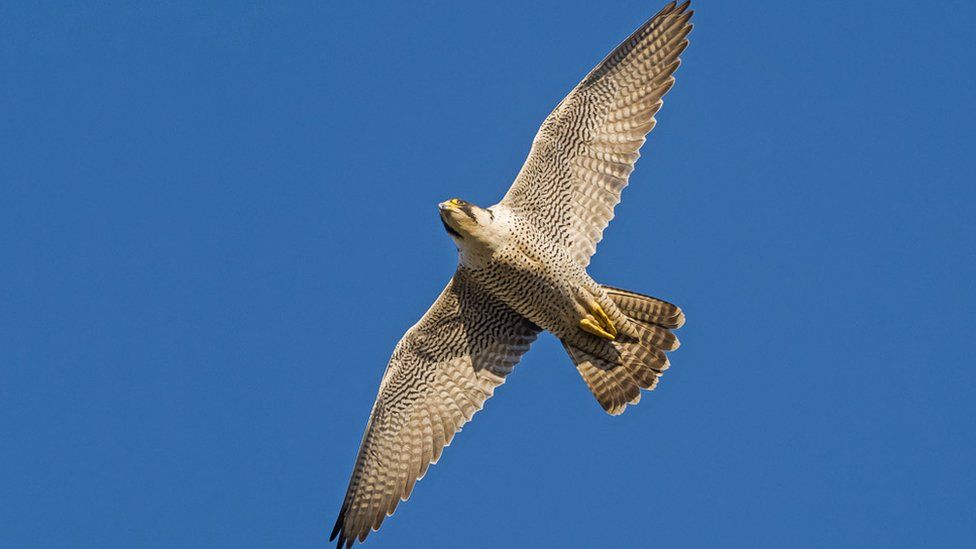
column 601, row 317
column 589, row 325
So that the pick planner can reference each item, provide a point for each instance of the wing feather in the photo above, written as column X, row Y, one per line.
column 441, row 373
column 583, row 154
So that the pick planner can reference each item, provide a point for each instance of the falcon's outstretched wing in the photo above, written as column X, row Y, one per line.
column 441, row 373
column 585, row 150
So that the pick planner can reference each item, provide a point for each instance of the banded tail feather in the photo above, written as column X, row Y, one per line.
column 632, row 363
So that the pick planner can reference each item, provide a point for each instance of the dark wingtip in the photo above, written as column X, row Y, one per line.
column 337, row 529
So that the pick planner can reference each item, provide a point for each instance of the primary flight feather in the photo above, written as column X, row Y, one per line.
column 522, row 269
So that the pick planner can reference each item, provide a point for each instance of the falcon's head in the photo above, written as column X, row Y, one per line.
column 465, row 222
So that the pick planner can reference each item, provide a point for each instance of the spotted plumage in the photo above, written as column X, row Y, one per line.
column 522, row 269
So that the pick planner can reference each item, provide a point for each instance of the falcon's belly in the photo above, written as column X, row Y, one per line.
column 539, row 280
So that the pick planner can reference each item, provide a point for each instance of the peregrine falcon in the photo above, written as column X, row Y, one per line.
column 522, row 269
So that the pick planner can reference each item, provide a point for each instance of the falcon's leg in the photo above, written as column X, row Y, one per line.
column 597, row 322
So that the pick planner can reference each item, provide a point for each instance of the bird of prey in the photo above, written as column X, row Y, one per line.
column 522, row 269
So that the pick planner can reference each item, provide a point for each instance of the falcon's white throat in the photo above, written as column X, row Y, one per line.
column 477, row 232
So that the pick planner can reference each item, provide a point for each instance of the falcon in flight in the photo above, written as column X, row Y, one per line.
column 522, row 269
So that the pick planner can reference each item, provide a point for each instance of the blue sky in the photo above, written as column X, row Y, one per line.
column 216, row 221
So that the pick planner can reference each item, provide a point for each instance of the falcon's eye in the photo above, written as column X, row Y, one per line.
column 458, row 202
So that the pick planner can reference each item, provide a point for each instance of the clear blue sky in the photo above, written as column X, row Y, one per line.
column 216, row 221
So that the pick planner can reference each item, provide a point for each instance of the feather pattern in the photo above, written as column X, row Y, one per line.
column 448, row 364
column 583, row 154
column 441, row 373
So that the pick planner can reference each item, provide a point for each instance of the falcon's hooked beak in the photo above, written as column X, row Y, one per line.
column 448, row 209
column 452, row 204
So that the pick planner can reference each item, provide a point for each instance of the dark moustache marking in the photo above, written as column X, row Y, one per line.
column 450, row 230
column 466, row 208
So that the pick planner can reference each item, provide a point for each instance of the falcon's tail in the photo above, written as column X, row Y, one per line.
column 630, row 363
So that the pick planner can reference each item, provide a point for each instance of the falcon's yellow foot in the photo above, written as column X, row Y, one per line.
column 589, row 325
column 602, row 318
